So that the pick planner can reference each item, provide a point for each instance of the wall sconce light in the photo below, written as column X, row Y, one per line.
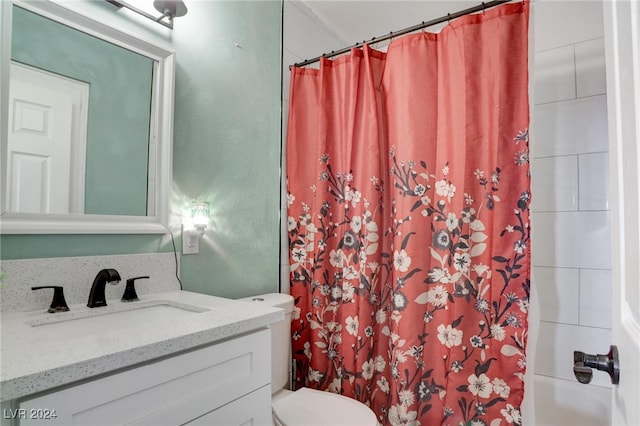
column 200, row 213
column 169, row 8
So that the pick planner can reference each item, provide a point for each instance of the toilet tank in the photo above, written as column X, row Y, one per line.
column 280, row 338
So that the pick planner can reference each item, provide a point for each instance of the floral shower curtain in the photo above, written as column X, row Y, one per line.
column 408, row 194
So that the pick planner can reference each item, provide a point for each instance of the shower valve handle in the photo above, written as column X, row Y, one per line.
column 584, row 363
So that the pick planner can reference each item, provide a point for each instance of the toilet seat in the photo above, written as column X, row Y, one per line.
column 311, row 407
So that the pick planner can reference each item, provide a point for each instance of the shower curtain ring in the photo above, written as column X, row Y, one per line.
column 448, row 18
column 483, row 8
column 423, row 27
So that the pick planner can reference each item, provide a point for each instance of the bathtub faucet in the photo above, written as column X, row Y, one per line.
column 584, row 363
column 96, row 295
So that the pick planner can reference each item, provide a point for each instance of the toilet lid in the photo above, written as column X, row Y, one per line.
column 311, row 407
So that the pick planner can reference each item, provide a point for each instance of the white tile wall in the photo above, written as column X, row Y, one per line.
column 595, row 298
column 556, row 343
column 570, row 221
column 563, row 22
column 576, row 126
column 590, row 68
column 559, row 294
column 555, row 75
column 571, row 240
column 556, row 184
column 594, row 181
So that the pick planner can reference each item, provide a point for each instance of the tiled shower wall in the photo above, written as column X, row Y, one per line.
column 571, row 253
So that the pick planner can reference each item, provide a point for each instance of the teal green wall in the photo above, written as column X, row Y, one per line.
column 120, row 84
column 36, row 246
column 226, row 147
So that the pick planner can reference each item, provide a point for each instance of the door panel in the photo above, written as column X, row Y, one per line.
column 40, row 123
column 30, row 177
column 622, row 44
column 46, row 142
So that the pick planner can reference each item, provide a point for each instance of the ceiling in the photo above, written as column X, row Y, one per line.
column 355, row 21
column 556, row 23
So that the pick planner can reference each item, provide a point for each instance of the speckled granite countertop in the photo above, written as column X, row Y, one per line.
column 33, row 362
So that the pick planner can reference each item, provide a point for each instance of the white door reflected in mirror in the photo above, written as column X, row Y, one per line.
column 102, row 203
column 46, row 142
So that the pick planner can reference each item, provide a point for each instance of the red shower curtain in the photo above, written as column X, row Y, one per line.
column 408, row 193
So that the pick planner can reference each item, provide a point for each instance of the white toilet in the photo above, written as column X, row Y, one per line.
column 304, row 407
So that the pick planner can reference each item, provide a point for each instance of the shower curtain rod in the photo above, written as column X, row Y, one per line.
column 448, row 17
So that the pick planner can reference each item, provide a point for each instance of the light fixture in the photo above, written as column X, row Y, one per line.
column 199, row 213
column 169, row 8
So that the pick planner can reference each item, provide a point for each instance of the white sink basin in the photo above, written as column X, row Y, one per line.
column 105, row 319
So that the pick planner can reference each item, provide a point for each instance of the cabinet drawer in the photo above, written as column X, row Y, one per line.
column 171, row 391
column 253, row 409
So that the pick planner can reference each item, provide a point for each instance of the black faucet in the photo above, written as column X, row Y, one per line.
column 96, row 295
column 58, row 304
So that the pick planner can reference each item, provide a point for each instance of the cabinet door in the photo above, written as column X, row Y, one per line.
column 168, row 392
column 253, row 409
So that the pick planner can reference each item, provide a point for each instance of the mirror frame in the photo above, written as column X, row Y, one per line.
column 161, row 141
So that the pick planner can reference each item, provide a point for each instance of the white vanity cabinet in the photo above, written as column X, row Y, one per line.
column 225, row 383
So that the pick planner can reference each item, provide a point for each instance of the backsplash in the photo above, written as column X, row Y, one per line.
column 76, row 275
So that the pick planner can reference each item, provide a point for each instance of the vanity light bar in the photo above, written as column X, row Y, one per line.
column 169, row 8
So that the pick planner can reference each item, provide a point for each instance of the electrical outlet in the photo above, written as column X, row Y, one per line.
column 190, row 242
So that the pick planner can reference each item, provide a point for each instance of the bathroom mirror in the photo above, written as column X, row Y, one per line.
column 109, row 96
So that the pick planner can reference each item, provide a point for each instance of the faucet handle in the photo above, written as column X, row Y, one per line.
column 583, row 364
column 130, row 294
column 58, row 304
